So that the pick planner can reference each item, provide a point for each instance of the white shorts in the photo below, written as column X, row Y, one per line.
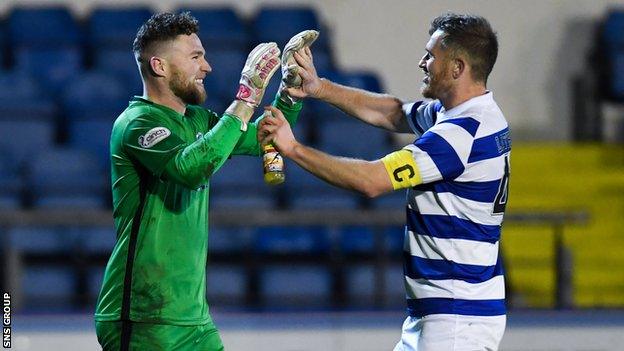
column 451, row 332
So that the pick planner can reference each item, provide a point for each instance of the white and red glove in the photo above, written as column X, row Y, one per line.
column 261, row 64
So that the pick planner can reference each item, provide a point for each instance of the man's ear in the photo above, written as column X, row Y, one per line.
column 157, row 66
column 459, row 66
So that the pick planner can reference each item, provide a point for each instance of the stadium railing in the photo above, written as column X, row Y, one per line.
column 14, row 261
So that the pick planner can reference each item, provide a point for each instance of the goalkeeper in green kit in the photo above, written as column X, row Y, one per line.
column 164, row 149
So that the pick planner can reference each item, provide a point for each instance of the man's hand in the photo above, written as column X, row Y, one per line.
column 274, row 128
column 260, row 66
column 290, row 68
column 311, row 84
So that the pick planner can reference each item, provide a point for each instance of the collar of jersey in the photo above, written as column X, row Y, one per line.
column 152, row 103
column 461, row 109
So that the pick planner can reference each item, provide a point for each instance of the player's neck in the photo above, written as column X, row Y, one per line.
column 164, row 96
column 461, row 94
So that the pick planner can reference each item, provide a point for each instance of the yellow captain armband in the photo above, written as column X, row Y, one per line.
column 402, row 169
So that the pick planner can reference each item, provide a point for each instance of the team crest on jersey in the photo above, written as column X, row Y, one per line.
column 153, row 137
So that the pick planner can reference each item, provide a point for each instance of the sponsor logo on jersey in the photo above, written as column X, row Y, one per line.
column 153, row 137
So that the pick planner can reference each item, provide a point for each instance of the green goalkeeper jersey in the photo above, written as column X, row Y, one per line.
column 161, row 163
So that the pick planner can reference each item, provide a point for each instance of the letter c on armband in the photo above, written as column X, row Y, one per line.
column 402, row 169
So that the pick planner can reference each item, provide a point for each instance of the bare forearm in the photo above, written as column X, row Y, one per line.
column 380, row 110
column 365, row 177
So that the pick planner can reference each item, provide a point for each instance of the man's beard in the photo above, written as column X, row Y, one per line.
column 437, row 85
column 188, row 92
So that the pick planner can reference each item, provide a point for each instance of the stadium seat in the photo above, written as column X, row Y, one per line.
column 225, row 284
column 393, row 239
column 52, row 67
column 66, row 178
column 26, row 100
column 25, row 138
column 115, row 27
column 94, row 96
column 351, row 138
column 357, row 239
column 305, row 191
column 279, row 24
column 48, row 288
column 26, row 113
column 41, row 240
column 98, row 240
column 612, row 50
column 11, row 183
column 92, row 136
column 121, row 64
column 42, row 28
column 239, row 184
column 363, row 80
column 288, row 286
column 91, row 103
column 229, row 239
column 226, row 66
column 394, row 200
column 292, row 240
column 360, row 285
column 220, row 28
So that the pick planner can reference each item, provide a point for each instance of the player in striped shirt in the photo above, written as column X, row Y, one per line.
column 456, row 172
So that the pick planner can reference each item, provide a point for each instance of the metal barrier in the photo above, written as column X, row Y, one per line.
column 334, row 260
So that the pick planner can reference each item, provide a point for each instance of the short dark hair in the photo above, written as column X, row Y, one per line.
column 471, row 35
column 163, row 27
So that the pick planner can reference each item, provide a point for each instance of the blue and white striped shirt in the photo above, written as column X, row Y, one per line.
column 454, row 218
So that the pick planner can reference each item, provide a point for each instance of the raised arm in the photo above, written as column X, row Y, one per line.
column 380, row 110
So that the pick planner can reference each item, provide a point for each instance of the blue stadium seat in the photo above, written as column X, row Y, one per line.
column 612, row 29
column 363, row 80
column 95, row 279
column 224, row 239
column 393, row 239
column 52, row 67
column 226, row 71
column 305, row 191
column 43, row 27
column 295, row 286
column 48, row 288
column 23, row 139
column 62, row 177
column 393, row 200
column 122, row 64
column 226, row 283
column 11, row 183
column 617, row 74
column 239, row 184
column 360, row 285
column 115, row 27
column 394, row 286
column 357, row 239
column 351, row 138
column 292, row 240
column 41, row 240
column 93, row 136
column 91, row 103
column 26, row 100
column 612, row 50
column 279, row 24
column 94, row 96
column 220, row 28
column 94, row 239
